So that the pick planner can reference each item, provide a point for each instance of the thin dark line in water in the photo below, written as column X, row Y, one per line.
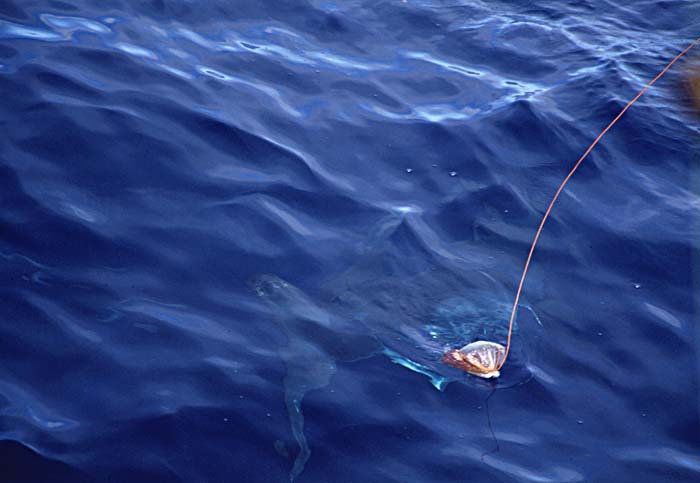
column 496, row 448
column 561, row 187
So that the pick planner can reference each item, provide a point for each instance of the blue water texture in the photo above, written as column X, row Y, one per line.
column 236, row 238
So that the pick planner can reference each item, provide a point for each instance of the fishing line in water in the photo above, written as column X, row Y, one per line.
column 496, row 448
column 485, row 359
column 566, row 180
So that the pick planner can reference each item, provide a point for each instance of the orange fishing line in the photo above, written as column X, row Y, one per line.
column 561, row 187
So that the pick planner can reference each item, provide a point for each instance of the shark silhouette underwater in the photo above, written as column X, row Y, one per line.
column 370, row 317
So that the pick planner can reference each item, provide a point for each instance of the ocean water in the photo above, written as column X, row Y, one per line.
column 237, row 236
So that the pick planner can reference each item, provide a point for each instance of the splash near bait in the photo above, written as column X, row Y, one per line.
column 471, row 358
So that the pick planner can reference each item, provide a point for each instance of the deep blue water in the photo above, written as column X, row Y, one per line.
column 236, row 237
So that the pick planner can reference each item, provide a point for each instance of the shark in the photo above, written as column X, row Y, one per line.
column 367, row 317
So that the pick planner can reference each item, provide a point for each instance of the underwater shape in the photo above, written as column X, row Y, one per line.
column 407, row 320
column 390, row 303
column 315, row 341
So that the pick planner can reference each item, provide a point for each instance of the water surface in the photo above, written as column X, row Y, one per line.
column 237, row 236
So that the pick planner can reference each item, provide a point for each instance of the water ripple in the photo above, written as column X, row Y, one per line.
column 237, row 238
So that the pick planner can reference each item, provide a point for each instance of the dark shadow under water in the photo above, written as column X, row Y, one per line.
column 412, row 317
